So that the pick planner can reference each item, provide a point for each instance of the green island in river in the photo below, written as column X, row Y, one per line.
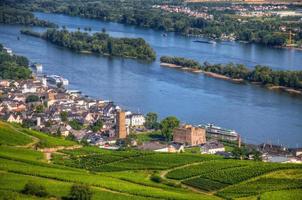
column 100, row 43
column 288, row 81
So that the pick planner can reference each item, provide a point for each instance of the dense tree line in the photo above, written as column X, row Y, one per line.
column 183, row 62
column 13, row 67
column 17, row 16
column 99, row 43
column 140, row 13
column 262, row 74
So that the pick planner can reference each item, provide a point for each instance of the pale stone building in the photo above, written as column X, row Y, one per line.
column 189, row 135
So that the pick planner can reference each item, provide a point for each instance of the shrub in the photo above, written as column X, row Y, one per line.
column 156, row 178
column 32, row 98
column 35, row 189
column 80, row 192
column 75, row 124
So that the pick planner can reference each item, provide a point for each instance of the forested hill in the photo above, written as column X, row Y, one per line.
column 100, row 43
column 18, row 16
column 71, row 171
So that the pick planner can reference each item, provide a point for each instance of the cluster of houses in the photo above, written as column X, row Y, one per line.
column 240, row 9
column 184, row 10
column 37, row 105
column 280, row 154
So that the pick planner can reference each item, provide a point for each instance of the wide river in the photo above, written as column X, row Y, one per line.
column 258, row 114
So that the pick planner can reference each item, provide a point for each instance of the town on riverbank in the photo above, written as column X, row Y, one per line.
column 42, row 103
column 58, row 143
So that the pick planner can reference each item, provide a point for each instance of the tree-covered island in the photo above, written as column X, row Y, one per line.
column 181, row 63
column 290, row 81
column 99, row 42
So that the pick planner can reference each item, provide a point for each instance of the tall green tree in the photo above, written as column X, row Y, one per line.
column 151, row 121
column 167, row 125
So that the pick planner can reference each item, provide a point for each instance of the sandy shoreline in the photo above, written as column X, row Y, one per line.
column 210, row 74
column 223, row 77
column 188, row 69
column 285, row 89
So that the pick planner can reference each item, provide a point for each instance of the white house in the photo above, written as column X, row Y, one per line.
column 15, row 118
column 134, row 120
column 212, row 147
column 137, row 120
column 28, row 89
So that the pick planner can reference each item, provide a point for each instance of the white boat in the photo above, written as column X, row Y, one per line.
column 55, row 79
column 74, row 92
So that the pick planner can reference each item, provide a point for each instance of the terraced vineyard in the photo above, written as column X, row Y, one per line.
column 136, row 174
column 240, row 179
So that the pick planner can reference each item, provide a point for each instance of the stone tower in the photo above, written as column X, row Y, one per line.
column 121, row 125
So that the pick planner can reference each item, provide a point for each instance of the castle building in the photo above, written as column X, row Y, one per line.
column 189, row 135
column 121, row 125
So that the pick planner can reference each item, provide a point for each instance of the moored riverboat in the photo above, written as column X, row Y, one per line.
column 55, row 80
column 220, row 133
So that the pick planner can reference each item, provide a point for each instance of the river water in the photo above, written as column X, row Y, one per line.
column 258, row 114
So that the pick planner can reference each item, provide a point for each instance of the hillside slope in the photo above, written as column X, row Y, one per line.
column 135, row 174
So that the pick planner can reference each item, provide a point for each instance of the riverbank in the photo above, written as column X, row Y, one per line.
column 294, row 48
column 271, row 87
column 234, row 80
column 285, row 89
column 188, row 69
column 223, row 77
column 210, row 74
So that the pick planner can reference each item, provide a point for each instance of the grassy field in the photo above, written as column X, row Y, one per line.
column 47, row 141
column 15, row 135
column 137, row 175
column 10, row 136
